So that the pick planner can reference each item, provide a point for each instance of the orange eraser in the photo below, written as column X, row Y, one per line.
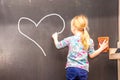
column 100, row 40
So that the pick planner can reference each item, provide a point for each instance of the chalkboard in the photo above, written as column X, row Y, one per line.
column 22, row 58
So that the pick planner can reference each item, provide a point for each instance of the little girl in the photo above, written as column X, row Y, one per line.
column 80, row 47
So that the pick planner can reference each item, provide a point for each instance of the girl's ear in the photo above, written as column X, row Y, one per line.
column 73, row 30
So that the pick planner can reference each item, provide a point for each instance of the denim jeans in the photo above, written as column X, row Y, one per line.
column 73, row 73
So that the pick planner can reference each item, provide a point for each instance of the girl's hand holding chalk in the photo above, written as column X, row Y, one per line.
column 55, row 35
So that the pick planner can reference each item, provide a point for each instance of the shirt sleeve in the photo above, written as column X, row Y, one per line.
column 63, row 43
column 91, row 48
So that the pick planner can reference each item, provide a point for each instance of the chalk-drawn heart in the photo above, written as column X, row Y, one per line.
column 36, row 25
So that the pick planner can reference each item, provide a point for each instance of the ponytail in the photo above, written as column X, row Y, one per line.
column 85, row 39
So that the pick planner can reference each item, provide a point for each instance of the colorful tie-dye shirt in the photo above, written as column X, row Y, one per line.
column 77, row 56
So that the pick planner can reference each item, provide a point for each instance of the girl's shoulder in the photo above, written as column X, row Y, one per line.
column 70, row 38
column 91, row 41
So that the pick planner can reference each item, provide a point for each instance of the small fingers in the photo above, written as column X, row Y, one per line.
column 54, row 35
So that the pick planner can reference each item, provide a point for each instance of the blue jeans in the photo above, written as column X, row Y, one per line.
column 73, row 73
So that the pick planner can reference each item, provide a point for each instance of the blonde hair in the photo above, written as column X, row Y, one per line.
column 80, row 23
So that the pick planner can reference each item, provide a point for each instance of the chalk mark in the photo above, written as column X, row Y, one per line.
column 36, row 25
